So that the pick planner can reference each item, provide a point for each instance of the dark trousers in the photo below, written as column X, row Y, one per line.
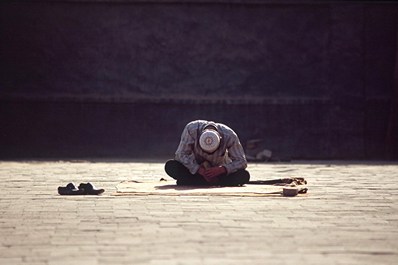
column 179, row 172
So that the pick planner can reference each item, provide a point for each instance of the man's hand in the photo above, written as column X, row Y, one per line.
column 202, row 171
column 211, row 174
column 215, row 171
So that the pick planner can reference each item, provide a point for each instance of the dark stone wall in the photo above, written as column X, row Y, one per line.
column 121, row 78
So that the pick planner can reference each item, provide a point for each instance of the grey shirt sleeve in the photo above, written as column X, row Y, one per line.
column 185, row 151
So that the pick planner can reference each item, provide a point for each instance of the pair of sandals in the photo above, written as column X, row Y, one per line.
column 83, row 189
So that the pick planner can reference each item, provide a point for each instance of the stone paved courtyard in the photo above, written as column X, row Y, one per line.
column 349, row 216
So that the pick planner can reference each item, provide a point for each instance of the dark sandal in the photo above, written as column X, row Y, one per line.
column 70, row 189
column 89, row 189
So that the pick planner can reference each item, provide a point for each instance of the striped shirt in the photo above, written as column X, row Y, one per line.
column 230, row 153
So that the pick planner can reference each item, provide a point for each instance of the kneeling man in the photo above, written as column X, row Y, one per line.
column 209, row 154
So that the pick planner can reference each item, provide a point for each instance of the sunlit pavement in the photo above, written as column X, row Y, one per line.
column 349, row 216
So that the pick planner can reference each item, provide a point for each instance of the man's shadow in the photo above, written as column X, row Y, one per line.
column 185, row 187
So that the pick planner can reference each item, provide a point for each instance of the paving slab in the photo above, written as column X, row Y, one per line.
column 349, row 216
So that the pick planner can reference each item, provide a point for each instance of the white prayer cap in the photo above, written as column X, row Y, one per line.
column 209, row 141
